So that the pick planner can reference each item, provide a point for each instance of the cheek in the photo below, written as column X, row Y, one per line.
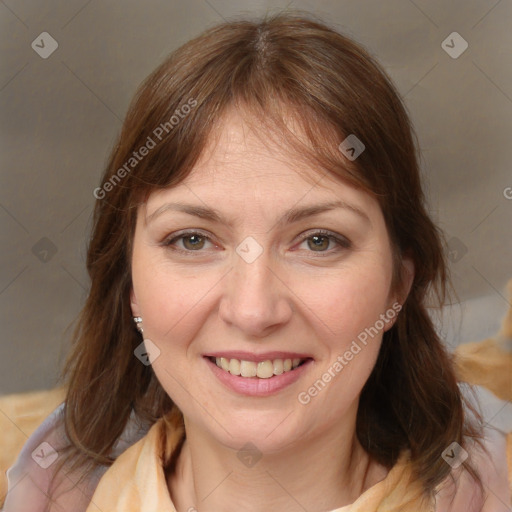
column 346, row 304
column 171, row 303
column 172, row 307
column 349, row 328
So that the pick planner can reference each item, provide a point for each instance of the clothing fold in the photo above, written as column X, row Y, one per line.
column 136, row 481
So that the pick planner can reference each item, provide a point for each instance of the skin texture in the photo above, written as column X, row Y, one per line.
column 296, row 296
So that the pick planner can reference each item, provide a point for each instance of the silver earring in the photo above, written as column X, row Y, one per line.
column 138, row 323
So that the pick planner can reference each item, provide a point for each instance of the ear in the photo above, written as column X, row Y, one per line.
column 399, row 298
column 134, row 304
column 408, row 272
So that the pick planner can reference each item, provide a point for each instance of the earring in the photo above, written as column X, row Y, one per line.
column 138, row 323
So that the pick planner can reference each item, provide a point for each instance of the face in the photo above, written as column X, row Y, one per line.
column 251, row 266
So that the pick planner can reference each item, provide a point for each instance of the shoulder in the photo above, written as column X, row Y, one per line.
column 30, row 477
column 139, row 471
column 459, row 491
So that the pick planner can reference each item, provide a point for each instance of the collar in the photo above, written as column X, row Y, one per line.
column 136, row 481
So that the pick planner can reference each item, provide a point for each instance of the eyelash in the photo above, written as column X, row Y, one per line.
column 343, row 243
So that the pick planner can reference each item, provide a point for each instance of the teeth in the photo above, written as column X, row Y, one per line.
column 278, row 367
column 234, row 366
column 247, row 369
column 263, row 369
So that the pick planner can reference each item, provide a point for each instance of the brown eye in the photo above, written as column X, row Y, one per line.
column 318, row 242
column 193, row 242
column 187, row 242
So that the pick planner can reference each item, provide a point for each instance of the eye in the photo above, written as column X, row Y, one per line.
column 191, row 241
column 321, row 240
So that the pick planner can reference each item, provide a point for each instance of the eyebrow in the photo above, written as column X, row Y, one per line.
column 289, row 217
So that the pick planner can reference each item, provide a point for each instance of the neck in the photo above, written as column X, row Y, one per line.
column 319, row 475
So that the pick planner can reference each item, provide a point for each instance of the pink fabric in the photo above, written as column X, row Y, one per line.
column 28, row 483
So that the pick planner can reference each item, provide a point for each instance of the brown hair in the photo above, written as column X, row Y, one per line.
column 332, row 87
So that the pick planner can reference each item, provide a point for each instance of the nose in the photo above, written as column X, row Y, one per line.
column 255, row 299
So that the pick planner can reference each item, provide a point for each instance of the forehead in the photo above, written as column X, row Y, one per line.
column 248, row 167
column 242, row 148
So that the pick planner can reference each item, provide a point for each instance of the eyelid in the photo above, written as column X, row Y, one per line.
column 342, row 241
column 184, row 232
column 173, row 237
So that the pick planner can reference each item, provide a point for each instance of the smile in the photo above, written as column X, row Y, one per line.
column 262, row 370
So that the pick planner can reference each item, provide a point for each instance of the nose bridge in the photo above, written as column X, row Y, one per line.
column 254, row 299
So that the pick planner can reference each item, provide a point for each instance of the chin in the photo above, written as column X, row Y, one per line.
column 267, row 431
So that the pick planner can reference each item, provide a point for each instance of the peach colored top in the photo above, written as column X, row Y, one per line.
column 136, row 482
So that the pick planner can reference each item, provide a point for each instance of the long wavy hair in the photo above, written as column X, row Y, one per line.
column 281, row 67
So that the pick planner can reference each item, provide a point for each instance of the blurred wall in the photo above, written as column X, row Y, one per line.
column 69, row 69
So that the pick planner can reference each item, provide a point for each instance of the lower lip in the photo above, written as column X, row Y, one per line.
column 254, row 386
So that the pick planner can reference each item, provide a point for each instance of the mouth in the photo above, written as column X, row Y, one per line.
column 264, row 369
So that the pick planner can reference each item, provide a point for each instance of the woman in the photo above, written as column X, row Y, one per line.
column 261, row 226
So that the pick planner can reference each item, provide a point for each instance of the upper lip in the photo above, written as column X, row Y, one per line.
column 251, row 356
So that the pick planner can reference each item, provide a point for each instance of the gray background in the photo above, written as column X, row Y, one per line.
column 60, row 117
